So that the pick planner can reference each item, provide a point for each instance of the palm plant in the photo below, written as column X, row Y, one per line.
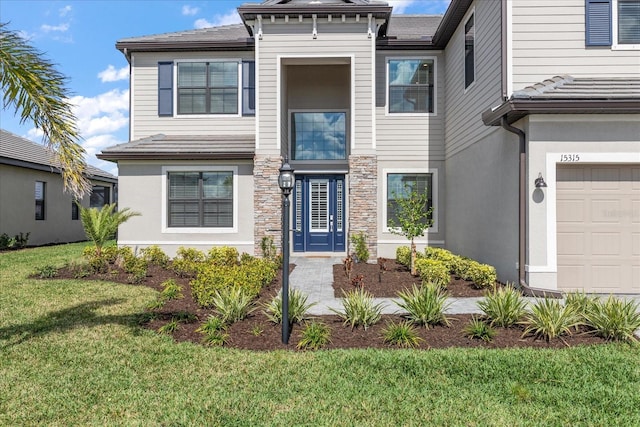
column 101, row 225
column 31, row 84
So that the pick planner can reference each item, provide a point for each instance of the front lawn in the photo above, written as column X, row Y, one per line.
column 72, row 353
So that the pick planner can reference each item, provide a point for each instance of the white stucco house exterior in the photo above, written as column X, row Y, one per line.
column 472, row 107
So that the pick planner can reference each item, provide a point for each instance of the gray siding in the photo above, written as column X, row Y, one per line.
column 144, row 101
column 314, row 51
column 140, row 188
column 17, row 207
column 549, row 40
column 405, row 137
column 463, row 126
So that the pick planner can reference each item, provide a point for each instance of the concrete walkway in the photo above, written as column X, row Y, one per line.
column 314, row 277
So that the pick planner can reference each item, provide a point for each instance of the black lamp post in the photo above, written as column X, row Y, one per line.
column 285, row 181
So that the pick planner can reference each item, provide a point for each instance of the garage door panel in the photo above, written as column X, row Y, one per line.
column 598, row 227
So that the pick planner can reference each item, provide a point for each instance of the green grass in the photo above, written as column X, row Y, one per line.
column 71, row 353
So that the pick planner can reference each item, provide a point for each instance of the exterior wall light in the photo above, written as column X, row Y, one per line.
column 539, row 182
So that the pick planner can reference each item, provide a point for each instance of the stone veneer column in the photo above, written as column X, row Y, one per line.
column 267, row 200
column 363, row 200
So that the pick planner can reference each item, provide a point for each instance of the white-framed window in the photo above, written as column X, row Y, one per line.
column 199, row 199
column 208, row 87
column 400, row 182
column 411, row 85
column 40, row 194
column 626, row 24
column 318, row 135
column 469, row 51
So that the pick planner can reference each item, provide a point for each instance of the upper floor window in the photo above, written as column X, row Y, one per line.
column 614, row 23
column 410, row 85
column 39, row 196
column 319, row 136
column 207, row 87
column 469, row 51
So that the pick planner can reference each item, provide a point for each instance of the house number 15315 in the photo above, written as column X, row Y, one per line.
column 569, row 157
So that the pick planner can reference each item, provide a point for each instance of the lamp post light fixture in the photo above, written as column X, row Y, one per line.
column 285, row 182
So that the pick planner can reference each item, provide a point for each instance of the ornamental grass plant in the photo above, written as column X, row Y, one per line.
column 425, row 305
column 503, row 307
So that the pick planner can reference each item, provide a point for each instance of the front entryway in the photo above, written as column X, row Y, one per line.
column 319, row 213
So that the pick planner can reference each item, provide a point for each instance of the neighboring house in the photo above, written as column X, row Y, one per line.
column 32, row 199
column 363, row 102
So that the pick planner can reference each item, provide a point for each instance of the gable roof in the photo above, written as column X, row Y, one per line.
column 566, row 95
column 183, row 147
column 21, row 152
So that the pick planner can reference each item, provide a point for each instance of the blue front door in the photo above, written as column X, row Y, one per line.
column 318, row 214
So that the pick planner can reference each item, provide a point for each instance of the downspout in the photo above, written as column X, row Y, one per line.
column 522, row 247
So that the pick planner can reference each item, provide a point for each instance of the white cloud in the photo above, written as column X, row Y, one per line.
column 229, row 18
column 419, row 6
column 64, row 11
column 399, row 6
column 189, row 11
column 105, row 113
column 113, row 75
column 55, row 28
column 35, row 134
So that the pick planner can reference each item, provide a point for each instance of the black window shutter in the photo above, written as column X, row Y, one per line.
column 165, row 88
column 598, row 22
column 248, row 88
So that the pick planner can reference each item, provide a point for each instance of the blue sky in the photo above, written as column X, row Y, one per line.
column 79, row 36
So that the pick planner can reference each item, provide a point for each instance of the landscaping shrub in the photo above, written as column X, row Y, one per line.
column 155, row 255
column 549, row 319
column 315, row 335
column 403, row 255
column 171, row 290
column 16, row 242
column 223, row 256
column 614, row 319
column 582, row 302
column 425, row 305
column 361, row 250
column 268, row 248
column 461, row 267
column 479, row 329
column 401, row 334
column 482, row 275
column 504, row 307
column 442, row 255
column 232, row 304
column 46, row 271
column 214, row 330
column 359, row 309
column 187, row 262
column 298, row 307
column 433, row 271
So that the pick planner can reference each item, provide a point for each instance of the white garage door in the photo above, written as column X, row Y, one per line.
column 598, row 215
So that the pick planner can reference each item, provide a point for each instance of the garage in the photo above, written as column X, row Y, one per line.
column 598, row 228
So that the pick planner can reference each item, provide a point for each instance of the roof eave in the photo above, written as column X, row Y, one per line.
column 115, row 156
column 452, row 18
column 52, row 169
column 252, row 11
column 515, row 109
column 395, row 44
column 155, row 46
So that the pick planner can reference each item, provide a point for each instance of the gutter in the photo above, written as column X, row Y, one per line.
column 526, row 289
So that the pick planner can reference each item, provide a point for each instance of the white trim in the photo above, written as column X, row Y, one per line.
column 540, row 269
column 352, row 113
column 197, row 230
column 374, row 133
column 509, row 37
column 434, row 195
column 553, row 160
column 185, row 242
column 435, row 85
column 614, row 31
column 256, row 57
column 468, row 16
column 131, row 99
column 401, row 240
column 208, row 116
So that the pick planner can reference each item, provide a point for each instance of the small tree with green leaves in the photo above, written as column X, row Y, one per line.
column 412, row 216
column 102, row 224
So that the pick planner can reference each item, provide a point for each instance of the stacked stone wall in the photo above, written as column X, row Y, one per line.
column 267, row 201
column 363, row 200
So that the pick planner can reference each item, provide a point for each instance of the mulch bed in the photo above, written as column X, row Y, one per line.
column 258, row 333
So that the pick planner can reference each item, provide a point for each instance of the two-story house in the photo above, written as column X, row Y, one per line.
column 520, row 119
